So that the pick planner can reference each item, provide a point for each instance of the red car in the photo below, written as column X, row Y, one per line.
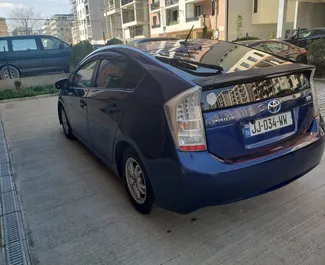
column 279, row 48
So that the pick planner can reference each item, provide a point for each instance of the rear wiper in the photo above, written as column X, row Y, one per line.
column 189, row 65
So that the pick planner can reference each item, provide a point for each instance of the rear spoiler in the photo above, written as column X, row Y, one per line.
column 255, row 74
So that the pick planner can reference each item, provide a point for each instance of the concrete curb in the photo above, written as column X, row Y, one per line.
column 28, row 98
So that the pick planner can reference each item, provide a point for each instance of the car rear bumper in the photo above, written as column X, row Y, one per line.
column 200, row 179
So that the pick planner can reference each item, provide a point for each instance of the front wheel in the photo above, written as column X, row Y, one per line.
column 9, row 72
column 65, row 124
column 136, row 182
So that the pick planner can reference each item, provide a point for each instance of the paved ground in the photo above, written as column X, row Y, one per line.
column 76, row 211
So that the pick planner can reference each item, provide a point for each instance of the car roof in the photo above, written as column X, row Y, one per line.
column 27, row 36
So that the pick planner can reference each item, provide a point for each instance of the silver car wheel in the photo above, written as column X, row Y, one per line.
column 135, row 180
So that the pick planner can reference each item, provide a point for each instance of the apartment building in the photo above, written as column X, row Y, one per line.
column 89, row 23
column 59, row 25
column 175, row 18
column 3, row 27
column 114, row 17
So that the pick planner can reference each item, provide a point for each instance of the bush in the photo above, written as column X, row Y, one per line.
column 27, row 92
column 247, row 38
column 114, row 41
column 80, row 51
column 316, row 56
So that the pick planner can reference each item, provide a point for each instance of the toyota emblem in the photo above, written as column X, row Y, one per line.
column 274, row 106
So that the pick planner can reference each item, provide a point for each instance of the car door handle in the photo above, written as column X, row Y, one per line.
column 113, row 109
column 83, row 103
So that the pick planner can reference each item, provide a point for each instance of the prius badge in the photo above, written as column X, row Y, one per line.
column 274, row 106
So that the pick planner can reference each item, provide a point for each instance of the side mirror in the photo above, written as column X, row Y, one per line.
column 62, row 84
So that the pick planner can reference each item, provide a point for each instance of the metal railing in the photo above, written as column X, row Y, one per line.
column 125, row 2
column 155, row 5
column 171, row 2
column 189, row 19
column 155, row 26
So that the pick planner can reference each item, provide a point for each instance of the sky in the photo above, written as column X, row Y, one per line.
column 46, row 8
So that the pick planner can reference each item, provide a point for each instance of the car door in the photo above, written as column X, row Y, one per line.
column 117, row 77
column 25, row 54
column 55, row 55
column 80, row 82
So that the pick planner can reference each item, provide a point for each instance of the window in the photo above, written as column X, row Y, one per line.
column 83, row 77
column 66, row 45
column 305, row 34
column 24, row 45
column 174, row 15
column 276, row 48
column 154, row 20
column 3, row 45
column 317, row 32
column 198, row 10
column 255, row 6
column 119, row 73
column 51, row 44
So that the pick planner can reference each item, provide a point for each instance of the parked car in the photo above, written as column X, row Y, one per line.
column 149, row 40
column 306, row 36
column 32, row 54
column 226, row 124
column 279, row 48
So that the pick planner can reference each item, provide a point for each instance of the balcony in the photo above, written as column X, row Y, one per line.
column 171, row 2
column 125, row 2
column 172, row 22
column 155, row 26
column 155, row 5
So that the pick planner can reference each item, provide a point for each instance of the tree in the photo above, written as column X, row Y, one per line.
column 114, row 41
column 239, row 25
column 25, row 19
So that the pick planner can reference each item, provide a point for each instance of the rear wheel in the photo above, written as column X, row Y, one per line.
column 136, row 182
column 10, row 73
column 65, row 124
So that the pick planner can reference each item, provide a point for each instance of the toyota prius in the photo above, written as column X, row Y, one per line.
column 194, row 123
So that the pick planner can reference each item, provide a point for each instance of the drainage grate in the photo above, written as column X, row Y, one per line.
column 6, row 184
column 9, row 202
column 15, row 253
column 12, row 231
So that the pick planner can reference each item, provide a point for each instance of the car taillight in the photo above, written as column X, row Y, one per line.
column 303, row 51
column 185, row 120
column 315, row 95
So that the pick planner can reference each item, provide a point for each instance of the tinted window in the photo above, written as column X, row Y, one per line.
column 50, row 43
column 318, row 32
column 66, row 45
column 276, row 47
column 24, row 45
column 119, row 73
column 305, row 34
column 83, row 77
column 3, row 45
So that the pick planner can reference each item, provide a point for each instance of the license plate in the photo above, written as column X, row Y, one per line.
column 268, row 124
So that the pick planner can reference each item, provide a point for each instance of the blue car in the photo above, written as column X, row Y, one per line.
column 190, row 124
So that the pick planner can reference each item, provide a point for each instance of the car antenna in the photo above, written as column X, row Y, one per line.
column 185, row 42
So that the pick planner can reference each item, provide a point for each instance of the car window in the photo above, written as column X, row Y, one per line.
column 119, row 73
column 276, row 47
column 50, row 43
column 317, row 32
column 66, row 45
column 24, row 44
column 305, row 34
column 3, row 46
column 260, row 46
column 83, row 77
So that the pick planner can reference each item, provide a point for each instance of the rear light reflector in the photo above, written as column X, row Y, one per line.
column 185, row 120
column 303, row 51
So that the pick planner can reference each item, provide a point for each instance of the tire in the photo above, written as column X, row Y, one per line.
column 14, row 72
column 142, row 197
column 66, row 124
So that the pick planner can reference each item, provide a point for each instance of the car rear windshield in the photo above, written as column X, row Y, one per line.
column 231, row 57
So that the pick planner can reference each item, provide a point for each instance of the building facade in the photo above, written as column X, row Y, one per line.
column 3, row 27
column 20, row 31
column 60, row 25
column 89, row 22
column 175, row 18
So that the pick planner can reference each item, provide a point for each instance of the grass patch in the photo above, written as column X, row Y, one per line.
column 27, row 92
